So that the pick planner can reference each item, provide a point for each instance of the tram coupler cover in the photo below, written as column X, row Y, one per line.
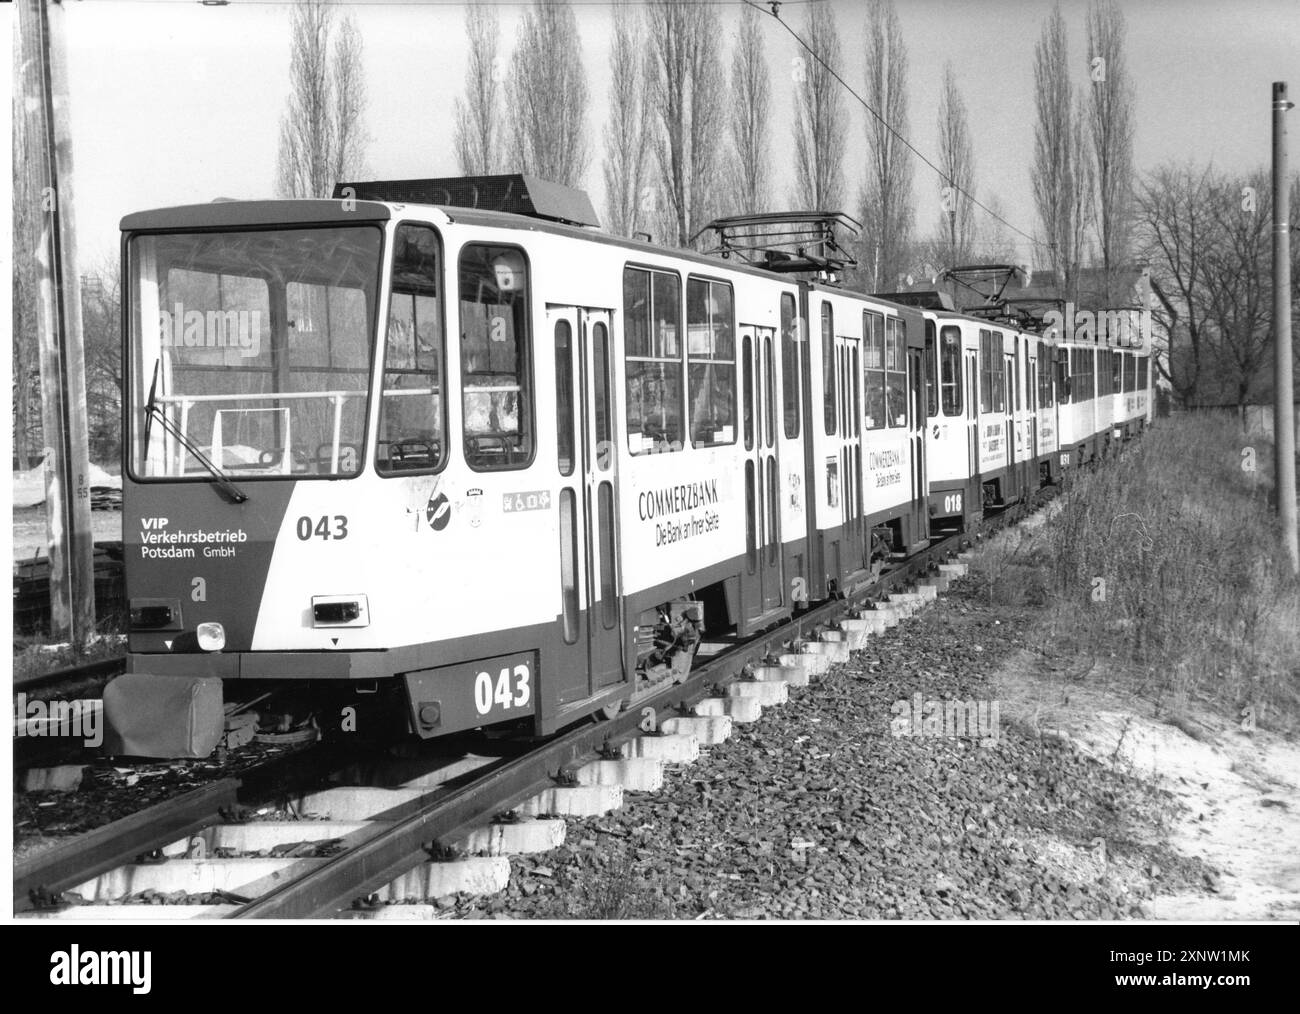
column 163, row 716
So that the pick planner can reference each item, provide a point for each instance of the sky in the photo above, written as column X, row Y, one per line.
column 173, row 102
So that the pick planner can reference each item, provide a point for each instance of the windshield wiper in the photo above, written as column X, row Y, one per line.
column 149, row 409
column 152, row 411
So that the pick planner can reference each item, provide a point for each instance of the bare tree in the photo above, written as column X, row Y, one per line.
column 349, row 88
column 1080, row 196
column 1111, row 125
column 477, row 135
column 1239, row 283
column 751, row 100
column 819, row 117
column 887, row 199
column 322, row 133
column 957, row 160
column 627, row 133
column 1239, row 288
column 546, row 93
column 1053, row 173
column 688, row 95
column 1176, row 232
column 101, row 315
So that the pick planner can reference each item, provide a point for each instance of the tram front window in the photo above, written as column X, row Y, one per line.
column 252, row 350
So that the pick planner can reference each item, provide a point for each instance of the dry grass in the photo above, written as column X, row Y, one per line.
column 34, row 657
column 1167, row 563
column 619, row 892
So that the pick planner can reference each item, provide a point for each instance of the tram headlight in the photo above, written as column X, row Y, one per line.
column 212, row 636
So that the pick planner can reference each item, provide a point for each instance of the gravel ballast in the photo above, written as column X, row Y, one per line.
column 819, row 811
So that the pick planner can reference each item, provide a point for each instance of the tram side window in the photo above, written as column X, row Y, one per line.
column 873, row 366
column 950, row 370
column 1044, row 376
column 564, row 431
column 651, row 328
column 790, row 375
column 412, row 406
column 989, row 366
column 1063, row 377
column 830, row 401
column 895, row 372
column 1081, row 363
column 1016, row 382
column 1142, row 373
column 711, row 362
column 931, row 393
column 496, row 377
column 997, row 357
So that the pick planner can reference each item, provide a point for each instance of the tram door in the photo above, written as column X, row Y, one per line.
column 1031, row 402
column 973, row 421
column 856, row 549
column 1012, row 430
column 763, row 584
column 920, row 529
column 591, row 621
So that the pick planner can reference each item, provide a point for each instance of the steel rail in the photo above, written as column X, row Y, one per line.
column 79, row 859
column 380, row 860
column 71, row 674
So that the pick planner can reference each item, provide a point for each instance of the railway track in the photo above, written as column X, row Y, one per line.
column 419, row 839
column 41, row 878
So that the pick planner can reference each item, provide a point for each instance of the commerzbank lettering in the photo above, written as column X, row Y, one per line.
column 656, row 503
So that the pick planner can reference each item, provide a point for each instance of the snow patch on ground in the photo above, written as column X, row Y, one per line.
column 1241, row 788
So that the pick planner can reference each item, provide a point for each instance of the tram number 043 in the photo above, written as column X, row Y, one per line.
column 509, row 690
column 323, row 528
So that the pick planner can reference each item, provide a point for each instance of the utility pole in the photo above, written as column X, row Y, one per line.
column 1283, row 381
column 63, row 375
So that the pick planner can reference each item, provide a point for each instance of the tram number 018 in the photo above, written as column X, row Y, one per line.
column 952, row 503
column 511, row 689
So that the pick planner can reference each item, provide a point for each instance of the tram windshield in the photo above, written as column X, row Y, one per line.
column 252, row 350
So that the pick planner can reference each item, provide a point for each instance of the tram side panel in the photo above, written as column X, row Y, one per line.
column 1043, row 387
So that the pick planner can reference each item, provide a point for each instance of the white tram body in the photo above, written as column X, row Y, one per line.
column 503, row 468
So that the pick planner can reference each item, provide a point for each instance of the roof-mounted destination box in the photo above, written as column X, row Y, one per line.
column 515, row 193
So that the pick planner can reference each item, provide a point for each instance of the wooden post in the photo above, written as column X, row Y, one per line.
column 63, row 375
